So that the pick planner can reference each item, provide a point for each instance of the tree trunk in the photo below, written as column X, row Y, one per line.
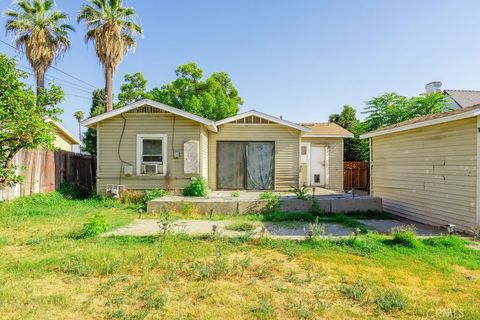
column 40, row 81
column 108, row 89
column 80, row 132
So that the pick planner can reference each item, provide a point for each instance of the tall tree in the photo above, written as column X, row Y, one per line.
column 41, row 31
column 215, row 98
column 133, row 89
column 391, row 108
column 97, row 108
column 353, row 148
column 113, row 29
column 22, row 118
column 79, row 115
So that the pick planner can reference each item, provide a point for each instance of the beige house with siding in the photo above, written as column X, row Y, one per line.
column 426, row 169
column 149, row 145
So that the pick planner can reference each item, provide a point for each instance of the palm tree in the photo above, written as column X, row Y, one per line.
column 79, row 115
column 41, row 32
column 113, row 29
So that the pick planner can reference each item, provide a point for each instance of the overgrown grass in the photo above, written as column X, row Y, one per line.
column 45, row 274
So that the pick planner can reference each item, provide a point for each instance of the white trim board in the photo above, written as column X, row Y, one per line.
column 458, row 116
column 263, row 116
column 146, row 102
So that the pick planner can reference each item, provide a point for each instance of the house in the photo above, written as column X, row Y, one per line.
column 64, row 140
column 148, row 145
column 427, row 169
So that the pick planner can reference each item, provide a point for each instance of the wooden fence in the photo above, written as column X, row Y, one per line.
column 356, row 175
column 44, row 171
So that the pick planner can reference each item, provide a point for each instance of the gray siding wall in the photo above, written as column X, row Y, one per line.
column 109, row 165
column 429, row 174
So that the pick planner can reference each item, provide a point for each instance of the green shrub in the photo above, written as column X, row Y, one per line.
column 273, row 200
column 405, row 236
column 391, row 300
column 74, row 191
column 240, row 226
column 93, row 227
column 300, row 192
column 197, row 188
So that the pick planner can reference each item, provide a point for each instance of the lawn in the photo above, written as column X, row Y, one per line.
column 47, row 272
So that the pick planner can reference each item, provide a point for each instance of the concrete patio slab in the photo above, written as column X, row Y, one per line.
column 149, row 227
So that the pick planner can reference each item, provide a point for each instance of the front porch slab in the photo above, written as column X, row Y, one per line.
column 222, row 202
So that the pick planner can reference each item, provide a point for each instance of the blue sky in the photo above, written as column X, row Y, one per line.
column 300, row 59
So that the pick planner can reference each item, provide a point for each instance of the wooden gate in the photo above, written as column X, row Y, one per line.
column 74, row 168
column 356, row 175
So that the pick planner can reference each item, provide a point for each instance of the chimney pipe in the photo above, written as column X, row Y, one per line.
column 434, row 86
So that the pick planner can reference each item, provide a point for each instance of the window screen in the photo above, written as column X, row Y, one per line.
column 152, row 150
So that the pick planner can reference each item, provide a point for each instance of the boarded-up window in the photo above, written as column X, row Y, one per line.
column 190, row 157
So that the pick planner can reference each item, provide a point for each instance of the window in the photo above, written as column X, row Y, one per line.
column 304, row 150
column 151, row 154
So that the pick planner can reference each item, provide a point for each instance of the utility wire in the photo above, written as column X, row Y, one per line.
column 53, row 67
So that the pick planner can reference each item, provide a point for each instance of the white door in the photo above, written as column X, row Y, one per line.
column 317, row 165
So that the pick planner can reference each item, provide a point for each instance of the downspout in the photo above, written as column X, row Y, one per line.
column 370, row 165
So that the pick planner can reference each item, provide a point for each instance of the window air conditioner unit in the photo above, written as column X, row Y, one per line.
column 152, row 168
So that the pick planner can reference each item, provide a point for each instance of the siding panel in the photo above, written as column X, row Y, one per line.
column 109, row 164
column 428, row 174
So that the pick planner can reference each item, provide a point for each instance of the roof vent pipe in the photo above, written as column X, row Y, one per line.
column 434, row 86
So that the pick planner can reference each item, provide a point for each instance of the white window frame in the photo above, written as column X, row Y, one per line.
column 151, row 136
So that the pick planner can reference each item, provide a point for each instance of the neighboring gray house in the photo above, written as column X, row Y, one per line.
column 459, row 99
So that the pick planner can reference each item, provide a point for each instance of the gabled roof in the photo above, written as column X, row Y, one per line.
column 464, row 98
column 425, row 121
column 64, row 131
column 326, row 130
column 208, row 123
column 263, row 116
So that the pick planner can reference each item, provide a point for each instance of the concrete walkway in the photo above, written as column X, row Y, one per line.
column 148, row 227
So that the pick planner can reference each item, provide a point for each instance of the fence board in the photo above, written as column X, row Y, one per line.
column 356, row 175
column 44, row 171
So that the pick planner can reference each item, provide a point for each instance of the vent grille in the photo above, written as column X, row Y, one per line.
column 147, row 109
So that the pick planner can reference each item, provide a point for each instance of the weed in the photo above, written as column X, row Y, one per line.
column 273, row 200
column 132, row 197
column 153, row 194
column 363, row 246
column 300, row 192
column 204, row 293
column 76, row 265
column 197, row 188
column 93, row 227
column 315, row 229
column 405, row 236
column 119, row 314
column 240, row 226
column 235, row 194
column 4, row 241
column 111, row 267
column 391, row 300
column 189, row 209
column 263, row 309
column 316, row 209
column 265, row 269
column 348, row 222
column 355, row 291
